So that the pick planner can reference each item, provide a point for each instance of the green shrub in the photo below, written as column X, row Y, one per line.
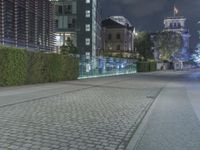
column 70, row 68
column 36, row 66
column 19, row 67
column 146, row 66
column 152, row 66
column 143, row 66
column 13, row 66
column 55, row 67
column 51, row 68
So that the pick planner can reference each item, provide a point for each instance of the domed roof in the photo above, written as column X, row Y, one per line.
column 121, row 20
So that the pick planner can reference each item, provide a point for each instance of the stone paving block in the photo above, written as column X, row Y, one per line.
column 22, row 148
column 13, row 147
column 45, row 148
column 98, row 117
column 27, row 145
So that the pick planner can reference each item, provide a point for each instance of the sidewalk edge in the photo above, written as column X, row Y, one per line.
column 141, row 125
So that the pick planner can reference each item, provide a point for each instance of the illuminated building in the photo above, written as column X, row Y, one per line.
column 27, row 24
column 178, row 24
column 79, row 21
column 117, row 34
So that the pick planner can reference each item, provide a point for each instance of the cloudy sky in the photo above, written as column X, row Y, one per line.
column 148, row 15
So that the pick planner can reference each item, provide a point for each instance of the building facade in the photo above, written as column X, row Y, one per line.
column 178, row 24
column 27, row 24
column 79, row 21
column 117, row 34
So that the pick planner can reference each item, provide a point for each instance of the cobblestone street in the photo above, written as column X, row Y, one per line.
column 101, row 114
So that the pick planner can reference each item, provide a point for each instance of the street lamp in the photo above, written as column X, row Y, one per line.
column 135, row 33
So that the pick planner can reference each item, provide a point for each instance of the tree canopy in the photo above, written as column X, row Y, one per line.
column 168, row 44
column 196, row 55
column 143, row 45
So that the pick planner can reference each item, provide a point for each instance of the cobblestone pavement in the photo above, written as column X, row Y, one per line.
column 100, row 117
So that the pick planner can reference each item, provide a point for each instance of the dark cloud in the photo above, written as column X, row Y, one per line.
column 139, row 8
column 149, row 14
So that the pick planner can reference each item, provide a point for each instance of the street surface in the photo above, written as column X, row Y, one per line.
column 174, row 122
column 103, row 113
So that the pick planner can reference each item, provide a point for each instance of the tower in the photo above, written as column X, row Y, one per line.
column 178, row 24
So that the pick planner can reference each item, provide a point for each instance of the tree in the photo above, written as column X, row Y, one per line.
column 196, row 55
column 144, row 45
column 168, row 44
column 69, row 48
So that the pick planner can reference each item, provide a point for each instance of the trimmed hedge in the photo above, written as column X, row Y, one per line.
column 146, row 66
column 12, row 66
column 152, row 66
column 142, row 66
column 18, row 67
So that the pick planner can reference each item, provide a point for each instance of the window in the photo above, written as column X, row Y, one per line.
column 68, row 9
column 118, row 47
column 87, row 13
column 60, row 10
column 87, row 1
column 109, row 36
column 70, row 26
column 118, row 36
column 171, row 26
column 175, row 25
column 87, row 41
column 87, row 27
column 56, row 22
column 73, row 23
column 57, row 7
column 68, row 39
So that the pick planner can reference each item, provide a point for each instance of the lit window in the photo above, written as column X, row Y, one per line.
column 87, row 41
column 87, row 1
column 87, row 13
column 87, row 27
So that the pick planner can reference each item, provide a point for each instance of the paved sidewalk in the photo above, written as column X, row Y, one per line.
column 173, row 123
column 93, row 114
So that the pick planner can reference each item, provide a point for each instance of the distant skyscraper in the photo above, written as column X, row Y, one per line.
column 27, row 24
column 79, row 21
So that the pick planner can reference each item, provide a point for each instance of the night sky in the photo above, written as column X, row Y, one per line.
column 148, row 15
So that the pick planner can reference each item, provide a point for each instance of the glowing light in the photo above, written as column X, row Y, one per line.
column 135, row 33
column 57, row 38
